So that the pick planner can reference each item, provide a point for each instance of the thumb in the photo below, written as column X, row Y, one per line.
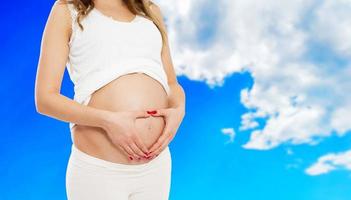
column 159, row 112
column 141, row 114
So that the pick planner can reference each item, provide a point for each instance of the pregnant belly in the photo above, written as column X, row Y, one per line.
column 133, row 91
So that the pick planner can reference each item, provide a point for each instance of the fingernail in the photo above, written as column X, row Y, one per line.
column 152, row 112
column 130, row 158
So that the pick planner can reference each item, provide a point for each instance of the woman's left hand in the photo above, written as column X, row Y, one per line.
column 173, row 117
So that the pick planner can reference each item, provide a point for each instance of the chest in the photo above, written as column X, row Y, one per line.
column 107, row 36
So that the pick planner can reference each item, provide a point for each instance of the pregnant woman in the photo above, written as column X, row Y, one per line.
column 128, row 104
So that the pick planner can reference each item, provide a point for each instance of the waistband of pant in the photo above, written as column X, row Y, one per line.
column 77, row 153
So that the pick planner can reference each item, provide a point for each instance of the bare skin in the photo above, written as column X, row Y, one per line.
column 135, row 91
column 114, row 125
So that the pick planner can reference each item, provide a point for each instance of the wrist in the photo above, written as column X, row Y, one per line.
column 105, row 119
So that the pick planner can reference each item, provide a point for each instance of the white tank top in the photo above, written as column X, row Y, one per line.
column 107, row 49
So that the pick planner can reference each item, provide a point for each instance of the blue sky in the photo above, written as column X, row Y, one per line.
column 250, row 65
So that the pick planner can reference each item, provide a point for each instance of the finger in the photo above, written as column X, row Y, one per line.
column 140, row 144
column 141, row 114
column 136, row 150
column 121, row 148
column 159, row 112
column 161, row 148
column 159, row 142
column 131, row 145
column 130, row 151
column 125, row 151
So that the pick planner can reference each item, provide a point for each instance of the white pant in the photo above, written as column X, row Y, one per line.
column 91, row 178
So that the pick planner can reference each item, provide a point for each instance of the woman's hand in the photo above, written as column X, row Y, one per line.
column 173, row 118
column 121, row 130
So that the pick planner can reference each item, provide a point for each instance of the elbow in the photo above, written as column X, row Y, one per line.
column 41, row 103
column 39, row 106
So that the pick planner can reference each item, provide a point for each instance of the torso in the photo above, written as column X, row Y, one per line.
column 128, row 92
column 107, row 47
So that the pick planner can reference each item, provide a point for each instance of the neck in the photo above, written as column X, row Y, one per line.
column 111, row 3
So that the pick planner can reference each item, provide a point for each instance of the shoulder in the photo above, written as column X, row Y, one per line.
column 65, row 10
column 59, row 18
column 60, row 7
column 60, row 11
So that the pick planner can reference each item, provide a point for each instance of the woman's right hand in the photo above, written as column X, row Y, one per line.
column 120, row 128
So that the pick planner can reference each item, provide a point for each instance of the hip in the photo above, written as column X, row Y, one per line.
column 91, row 178
column 82, row 162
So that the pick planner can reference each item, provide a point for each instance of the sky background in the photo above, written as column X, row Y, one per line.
column 268, row 105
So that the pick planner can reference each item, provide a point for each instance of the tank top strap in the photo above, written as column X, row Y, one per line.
column 72, row 11
column 74, row 14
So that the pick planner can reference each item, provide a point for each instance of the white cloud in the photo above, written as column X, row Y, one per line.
column 302, row 100
column 230, row 132
column 330, row 162
column 333, row 25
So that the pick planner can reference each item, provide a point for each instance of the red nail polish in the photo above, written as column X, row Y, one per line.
column 130, row 158
column 152, row 112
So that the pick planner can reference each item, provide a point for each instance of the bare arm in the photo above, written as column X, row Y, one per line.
column 177, row 96
column 175, row 114
column 51, row 66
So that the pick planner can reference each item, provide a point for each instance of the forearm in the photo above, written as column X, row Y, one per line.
column 177, row 96
column 65, row 109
